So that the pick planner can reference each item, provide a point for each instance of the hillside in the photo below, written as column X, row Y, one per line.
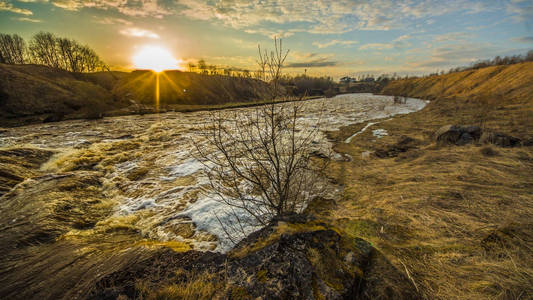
column 499, row 97
column 34, row 93
column 457, row 219
column 189, row 88
column 31, row 93
column 508, row 82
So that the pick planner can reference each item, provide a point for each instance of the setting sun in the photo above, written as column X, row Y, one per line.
column 154, row 58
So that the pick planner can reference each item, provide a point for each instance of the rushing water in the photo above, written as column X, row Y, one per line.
column 155, row 184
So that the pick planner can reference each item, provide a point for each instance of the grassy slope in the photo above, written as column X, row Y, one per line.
column 32, row 93
column 186, row 88
column 459, row 219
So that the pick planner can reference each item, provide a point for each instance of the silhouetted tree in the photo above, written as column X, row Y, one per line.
column 63, row 53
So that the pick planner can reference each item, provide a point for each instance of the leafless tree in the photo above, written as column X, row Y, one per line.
column 12, row 49
column 43, row 49
column 260, row 163
column 63, row 53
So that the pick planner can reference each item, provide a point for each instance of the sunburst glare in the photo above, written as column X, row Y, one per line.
column 155, row 58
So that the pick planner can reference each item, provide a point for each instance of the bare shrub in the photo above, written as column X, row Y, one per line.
column 260, row 163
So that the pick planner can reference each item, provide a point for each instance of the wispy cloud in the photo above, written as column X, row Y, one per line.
column 138, row 32
column 310, row 60
column 25, row 19
column 456, row 55
column 324, row 16
column 138, row 8
column 112, row 21
column 521, row 11
column 8, row 6
column 284, row 18
column 333, row 43
column 453, row 36
column 523, row 39
column 376, row 46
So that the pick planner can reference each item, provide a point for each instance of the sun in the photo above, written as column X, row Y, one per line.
column 154, row 58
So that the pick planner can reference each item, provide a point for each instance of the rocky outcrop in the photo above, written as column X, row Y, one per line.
column 292, row 258
column 457, row 134
column 462, row 135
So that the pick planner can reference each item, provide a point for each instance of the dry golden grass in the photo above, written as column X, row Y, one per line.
column 458, row 219
column 199, row 286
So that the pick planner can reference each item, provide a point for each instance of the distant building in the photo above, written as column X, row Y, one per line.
column 347, row 79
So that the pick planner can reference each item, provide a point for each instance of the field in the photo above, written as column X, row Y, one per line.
column 456, row 219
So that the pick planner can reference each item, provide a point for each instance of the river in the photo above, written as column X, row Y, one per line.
column 133, row 182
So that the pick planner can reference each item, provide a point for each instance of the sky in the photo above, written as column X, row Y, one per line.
column 326, row 38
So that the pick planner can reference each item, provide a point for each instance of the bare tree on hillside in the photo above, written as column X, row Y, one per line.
column 12, row 49
column 63, row 53
column 260, row 163
column 43, row 49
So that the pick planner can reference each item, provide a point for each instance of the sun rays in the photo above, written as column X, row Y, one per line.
column 155, row 58
column 158, row 60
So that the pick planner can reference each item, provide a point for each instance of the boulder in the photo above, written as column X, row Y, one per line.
column 457, row 135
column 291, row 258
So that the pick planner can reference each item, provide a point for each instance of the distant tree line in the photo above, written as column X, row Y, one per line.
column 497, row 61
column 308, row 85
column 47, row 49
column 203, row 68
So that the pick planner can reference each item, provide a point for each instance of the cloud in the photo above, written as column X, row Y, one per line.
column 310, row 60
column 456, row 55
column 138, row 32
column 282, row 18
column 523, row 39
column 323, row 16
column 312, row 64
column 112, row 21
column 272, row 33
column 402, row 38
column 136, row 8
column 377, row 46
column 7, row 6
column 333, row 43
column 24, row 19
column 521, row 11
column 453, row 36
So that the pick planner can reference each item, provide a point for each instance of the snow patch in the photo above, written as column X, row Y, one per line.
column 349, row 140
column 379, row 133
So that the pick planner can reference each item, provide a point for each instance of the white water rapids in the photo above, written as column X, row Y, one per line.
column 170, row 193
